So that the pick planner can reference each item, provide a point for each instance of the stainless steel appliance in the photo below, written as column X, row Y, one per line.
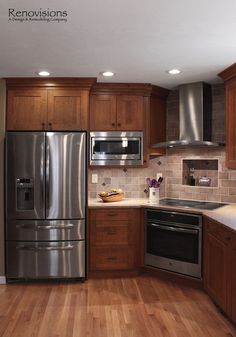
column 45, row 204
column 191, row 204
column 173, row 241
column 195, row 117
column 116, row 148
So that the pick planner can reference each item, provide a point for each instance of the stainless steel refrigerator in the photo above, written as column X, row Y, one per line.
column 45, row 205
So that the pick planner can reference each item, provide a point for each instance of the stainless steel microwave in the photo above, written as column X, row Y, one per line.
column 116, row 148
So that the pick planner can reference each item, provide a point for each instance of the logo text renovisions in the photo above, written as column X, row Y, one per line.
column 37, row 15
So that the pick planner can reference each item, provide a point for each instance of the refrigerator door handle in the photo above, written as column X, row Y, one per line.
column 47, row 177
column 42, row 182
column 47, row 248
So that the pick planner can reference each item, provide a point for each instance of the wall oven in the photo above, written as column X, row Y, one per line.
column 173, row 241
column 116, row 148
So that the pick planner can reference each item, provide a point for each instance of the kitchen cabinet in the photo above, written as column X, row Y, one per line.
column 232, row 278
column 229, row 77
column 59, row 104
column 130, row 107
column 114, row 240
column 26, row 109
column 220, row 265
column 116, row 112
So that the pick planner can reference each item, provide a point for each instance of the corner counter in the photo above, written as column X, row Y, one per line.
column 225, row 214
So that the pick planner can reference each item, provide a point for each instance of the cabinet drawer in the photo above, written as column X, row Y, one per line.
column 110, row 235
column 111, row 215
column 218, row 231
column 112, row 258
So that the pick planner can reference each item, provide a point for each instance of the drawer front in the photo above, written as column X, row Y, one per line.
column 111, row 214
column 46, row 259
column 112, row 258
column 218, row 231
column 110, row 235
column 54, row 230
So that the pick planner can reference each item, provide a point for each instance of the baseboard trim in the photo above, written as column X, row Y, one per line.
column 2, row 279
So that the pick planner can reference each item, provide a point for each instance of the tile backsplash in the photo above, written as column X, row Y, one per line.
column 132, row 180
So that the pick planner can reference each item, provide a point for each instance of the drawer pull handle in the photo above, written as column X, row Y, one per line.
column 228, row 238
column 111, row 233
column 112, row 258
column 47, row 248
column 111, row 214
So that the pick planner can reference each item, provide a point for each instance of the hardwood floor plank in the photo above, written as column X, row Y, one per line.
column 141, row 306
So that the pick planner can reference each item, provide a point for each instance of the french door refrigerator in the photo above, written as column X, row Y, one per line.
column 45, row 205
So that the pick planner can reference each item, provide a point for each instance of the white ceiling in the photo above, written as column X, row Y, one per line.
column 139, row 40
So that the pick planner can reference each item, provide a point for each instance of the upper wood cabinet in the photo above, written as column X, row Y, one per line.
column 68, row 109
column 56, row 104
column 26, row 109
column 110, row 112
column 156, row 120
column 229, row 76
column 102, row 112
column 130, row 112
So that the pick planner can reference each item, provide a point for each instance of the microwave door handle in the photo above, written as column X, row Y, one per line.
column 176, row 229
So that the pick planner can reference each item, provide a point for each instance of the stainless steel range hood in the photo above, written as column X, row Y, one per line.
column 195, row 108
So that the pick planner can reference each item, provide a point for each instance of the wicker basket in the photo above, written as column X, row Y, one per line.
column 112, row 198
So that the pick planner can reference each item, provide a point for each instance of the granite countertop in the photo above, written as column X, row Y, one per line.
column 225, row 215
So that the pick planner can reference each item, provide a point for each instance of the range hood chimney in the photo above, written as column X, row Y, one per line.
column 195, row 108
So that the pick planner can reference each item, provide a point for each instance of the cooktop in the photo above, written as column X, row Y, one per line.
column 191, row 204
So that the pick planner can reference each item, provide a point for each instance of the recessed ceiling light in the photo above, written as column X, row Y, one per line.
column 43, row 73
column 107, row 73
column 174, row 71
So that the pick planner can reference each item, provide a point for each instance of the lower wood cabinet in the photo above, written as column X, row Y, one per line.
column 114, row 239
column 220, row 265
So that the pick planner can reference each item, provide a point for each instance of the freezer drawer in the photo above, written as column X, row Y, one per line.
column 54, row 230
column 39, row 260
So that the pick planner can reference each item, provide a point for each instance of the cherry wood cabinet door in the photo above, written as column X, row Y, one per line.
column 232, row 288
column 102, row 112
column 26, row 109
column 215, row 269
column 231, row 124
column 68, row 109
column 130, row 112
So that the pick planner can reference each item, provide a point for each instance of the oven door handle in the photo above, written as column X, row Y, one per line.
column 176, row 229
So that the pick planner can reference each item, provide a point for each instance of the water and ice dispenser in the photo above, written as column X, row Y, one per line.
column 25, row 193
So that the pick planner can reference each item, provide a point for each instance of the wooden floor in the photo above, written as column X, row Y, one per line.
column 143, row 306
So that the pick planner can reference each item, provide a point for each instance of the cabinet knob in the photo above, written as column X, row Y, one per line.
column 50, row 126
column 43, row 126
column 119, row 124
column 113, row 124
